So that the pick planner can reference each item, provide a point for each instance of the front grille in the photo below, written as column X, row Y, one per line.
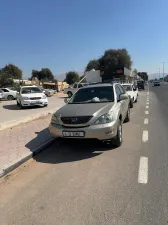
column 35, row 98
column 76, row 119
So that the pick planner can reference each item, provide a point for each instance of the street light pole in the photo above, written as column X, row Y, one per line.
column 163, row 69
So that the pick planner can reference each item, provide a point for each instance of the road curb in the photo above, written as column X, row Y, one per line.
column 15, row 123
column 14, row 165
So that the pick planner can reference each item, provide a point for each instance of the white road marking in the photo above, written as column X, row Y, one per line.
column 146, row 112
column 147, row 103
column 143, row 171
column 147, row 107
column 146, row 121
column 145, row 136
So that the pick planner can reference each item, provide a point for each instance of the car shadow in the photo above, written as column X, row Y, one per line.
column 11, row 107
column 61, row 151
column 16, row 107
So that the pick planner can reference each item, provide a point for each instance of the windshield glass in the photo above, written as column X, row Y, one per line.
column 93, row 95
column 31, row 90
column 127, row 87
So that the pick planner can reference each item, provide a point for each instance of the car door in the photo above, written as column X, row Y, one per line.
column 120, row 104
column 124, row 102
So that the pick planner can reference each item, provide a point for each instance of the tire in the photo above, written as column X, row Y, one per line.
column 17, row 103
column 21, row 106
column 69, row 94
column 10, row 97
column 127, row 119
column 131, row 104
column 136, row 99
column 117, row 141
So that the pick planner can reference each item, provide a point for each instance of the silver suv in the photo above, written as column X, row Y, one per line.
column 93, row 112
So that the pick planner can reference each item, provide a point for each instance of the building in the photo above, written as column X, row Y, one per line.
column 119, row 74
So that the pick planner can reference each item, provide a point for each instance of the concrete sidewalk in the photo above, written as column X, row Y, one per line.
column 20, row 143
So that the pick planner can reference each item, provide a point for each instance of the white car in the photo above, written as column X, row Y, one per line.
column 71, row 90
column 132, row 91
column 8, row 93
column 1, row 94
column 31, row 96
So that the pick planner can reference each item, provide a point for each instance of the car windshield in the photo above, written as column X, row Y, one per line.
column 127, row 87
column 93, row 95
column 31, row 90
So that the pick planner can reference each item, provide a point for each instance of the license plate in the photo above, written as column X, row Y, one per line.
column 73, row 134
column 34, row 103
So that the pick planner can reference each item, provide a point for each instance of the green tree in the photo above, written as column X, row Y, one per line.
column 93, row 64
column 113, row 58
column 72, row 77
column 5, row 79
column 13, row 71
column 44, row 74
column 143, row 75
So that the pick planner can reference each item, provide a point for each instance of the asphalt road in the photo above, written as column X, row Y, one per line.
column 92, row 184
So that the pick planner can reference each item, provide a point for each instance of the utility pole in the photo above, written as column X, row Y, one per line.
column 163, row 69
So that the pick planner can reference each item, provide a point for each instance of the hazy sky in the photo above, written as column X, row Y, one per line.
column 63, row 35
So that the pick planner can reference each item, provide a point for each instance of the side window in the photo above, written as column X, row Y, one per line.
column 5, row 90
column 118, row 92
column 121, row 89
column 75, row 86
column 80, row 85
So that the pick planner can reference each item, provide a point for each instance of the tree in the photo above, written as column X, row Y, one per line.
column 113, row 58
column 44, row 74
column 5, row 79
column 13, row 71
column 143, row 75
column 72, row 77
column 93, row 64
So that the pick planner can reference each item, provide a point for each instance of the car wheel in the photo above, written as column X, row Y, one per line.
column 136, row 99
column 127, row 119
column 21, row 106
column 117, row 141
column 131, row 103
column 69, row 94
column 17, row 103
column 10, row 97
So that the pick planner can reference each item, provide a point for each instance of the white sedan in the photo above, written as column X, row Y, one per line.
column 8, row 93
column 132, row 91
column 31, row 96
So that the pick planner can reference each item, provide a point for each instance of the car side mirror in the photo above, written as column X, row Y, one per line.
column 66, row 100
column 123, row 97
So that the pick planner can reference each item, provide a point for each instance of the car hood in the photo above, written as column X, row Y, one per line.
column 33, row 95
column 91, row 109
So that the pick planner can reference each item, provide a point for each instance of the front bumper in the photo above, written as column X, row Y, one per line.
column 100, row 132
column 40, row 102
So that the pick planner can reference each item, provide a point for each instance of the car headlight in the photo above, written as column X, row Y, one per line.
column 106, row 118
column 25, row 98
column 54, row 119
column 43, row 97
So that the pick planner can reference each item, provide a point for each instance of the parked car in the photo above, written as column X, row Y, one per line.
column 1, row 94
column 71, row 90
column 8, row 93
column 132, row 91
column 94, row 112
column 156, row 83
column 140, row 85
column 31, row 96
column 49, row 92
